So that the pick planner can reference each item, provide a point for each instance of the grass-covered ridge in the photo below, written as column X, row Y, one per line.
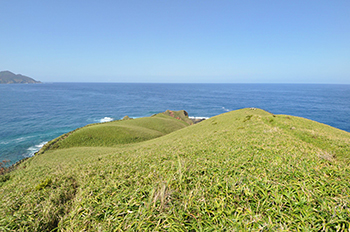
column 243, row 170
column 119, row 132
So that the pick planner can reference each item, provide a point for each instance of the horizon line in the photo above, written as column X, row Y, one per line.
column 107, row 82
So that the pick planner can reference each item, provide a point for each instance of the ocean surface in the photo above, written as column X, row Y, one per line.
column 33, row 114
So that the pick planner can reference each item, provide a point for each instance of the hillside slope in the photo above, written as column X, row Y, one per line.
column 7, row 77
column 118, row 132
column 243, row 170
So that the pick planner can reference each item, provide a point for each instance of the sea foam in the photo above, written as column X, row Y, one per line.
column 23, row 138
column 32, row 150
column 106, row 119
column 225, row 109
column 198, row 117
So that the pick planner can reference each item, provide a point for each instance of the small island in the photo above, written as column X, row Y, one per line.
column 7, row 77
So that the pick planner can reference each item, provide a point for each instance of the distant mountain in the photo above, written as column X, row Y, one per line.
column 7, row 77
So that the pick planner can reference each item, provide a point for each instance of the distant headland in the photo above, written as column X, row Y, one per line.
column 7, row 77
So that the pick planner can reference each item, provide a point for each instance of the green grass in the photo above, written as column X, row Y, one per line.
column 118, row 132
column 240, row 171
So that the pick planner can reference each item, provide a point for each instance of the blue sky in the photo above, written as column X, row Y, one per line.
column 182, row 41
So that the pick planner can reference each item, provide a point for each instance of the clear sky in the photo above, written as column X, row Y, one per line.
column 205, row 41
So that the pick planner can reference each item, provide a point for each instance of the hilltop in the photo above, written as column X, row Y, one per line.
column 7, row 77
column 243, row 170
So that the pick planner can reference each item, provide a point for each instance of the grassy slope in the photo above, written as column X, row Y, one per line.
column 122, row 132
column 243, row 170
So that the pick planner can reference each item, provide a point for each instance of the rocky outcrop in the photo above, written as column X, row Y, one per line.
column 126, row 118
column 180, row 115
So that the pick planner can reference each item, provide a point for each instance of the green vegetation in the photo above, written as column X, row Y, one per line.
column 120, row 132
column 243, row 170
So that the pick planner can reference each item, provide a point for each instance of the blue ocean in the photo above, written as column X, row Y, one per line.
column 33, row 114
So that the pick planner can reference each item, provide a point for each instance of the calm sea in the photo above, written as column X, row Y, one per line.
column 32, row 114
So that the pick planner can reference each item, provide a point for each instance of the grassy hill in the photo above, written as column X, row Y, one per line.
column 243, row 170
column 118, row 132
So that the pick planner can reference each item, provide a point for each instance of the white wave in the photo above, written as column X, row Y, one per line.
column 227, row 110
column 32, row 150
column 106, row 119
column 17, row 140
column 20, row 139
column 198, row 117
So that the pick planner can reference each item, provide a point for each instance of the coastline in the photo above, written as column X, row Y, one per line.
column 54, row 109
column 43, row 146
